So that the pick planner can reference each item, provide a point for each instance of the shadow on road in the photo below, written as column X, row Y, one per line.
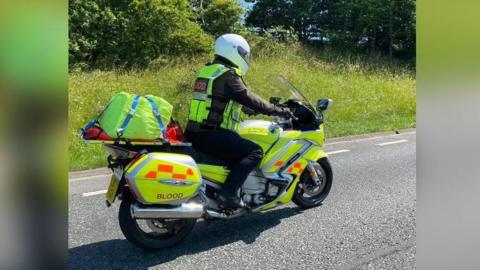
column 119, row 253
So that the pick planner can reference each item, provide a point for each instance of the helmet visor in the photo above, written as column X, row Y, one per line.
column 244, row 54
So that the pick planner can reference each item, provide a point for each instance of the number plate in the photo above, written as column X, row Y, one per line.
column 112, row 190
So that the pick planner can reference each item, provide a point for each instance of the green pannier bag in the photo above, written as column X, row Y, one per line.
column 131, row 116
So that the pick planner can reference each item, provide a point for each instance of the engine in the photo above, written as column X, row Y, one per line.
column 256, row 190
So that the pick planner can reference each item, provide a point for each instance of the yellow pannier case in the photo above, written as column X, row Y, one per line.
column 163, row 178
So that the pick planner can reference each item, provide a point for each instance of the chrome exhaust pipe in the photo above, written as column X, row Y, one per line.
column 214, row 214
column 220, row 215
column 185, row 210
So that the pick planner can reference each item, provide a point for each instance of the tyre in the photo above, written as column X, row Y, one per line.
column 152, row 234
column 309, row 194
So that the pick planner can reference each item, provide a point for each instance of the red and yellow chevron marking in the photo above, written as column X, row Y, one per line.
column 297, row 166
column 278, row 163
column 168, row 169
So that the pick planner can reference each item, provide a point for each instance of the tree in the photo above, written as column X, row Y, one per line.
column 386, row 26
column 303, row 16
column 132, row 32
column 162, row 27
column 218, row 17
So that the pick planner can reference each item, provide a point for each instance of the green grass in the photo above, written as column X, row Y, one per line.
column 370, row 93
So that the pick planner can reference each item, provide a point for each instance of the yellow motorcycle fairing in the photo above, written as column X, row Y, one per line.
column 313, row 154
column 259, row 131
column 212, row 172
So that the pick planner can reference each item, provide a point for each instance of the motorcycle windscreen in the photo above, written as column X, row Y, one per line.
column 281, row 87
column 164, row 178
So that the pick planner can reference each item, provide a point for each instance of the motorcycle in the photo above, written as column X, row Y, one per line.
column 164, row 188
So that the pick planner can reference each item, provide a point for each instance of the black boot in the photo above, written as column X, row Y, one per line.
column 228, row 200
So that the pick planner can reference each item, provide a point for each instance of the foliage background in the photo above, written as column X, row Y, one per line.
column 132, row 33
column 385, row 26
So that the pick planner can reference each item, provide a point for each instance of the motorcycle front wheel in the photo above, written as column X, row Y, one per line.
column 152, row 234
column 309, row 194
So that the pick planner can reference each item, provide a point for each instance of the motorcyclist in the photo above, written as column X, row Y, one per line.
column 214, row 116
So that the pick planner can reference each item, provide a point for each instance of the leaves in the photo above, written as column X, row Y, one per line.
column 221, row 16
column 357, row 25
column 132, row 33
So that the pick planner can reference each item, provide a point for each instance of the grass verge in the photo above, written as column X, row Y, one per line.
column 370, row 94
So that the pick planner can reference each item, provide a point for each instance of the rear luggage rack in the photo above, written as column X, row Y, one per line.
column 120, row 152
column 127, row 149
column 138, row 142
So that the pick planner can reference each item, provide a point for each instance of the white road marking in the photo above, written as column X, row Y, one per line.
column 394, row 142
column 94, row 193
column 370, row 138
column 338, row 152
column 89, row 177
column 331, row 153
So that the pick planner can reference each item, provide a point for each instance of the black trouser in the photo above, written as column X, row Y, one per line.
column 243, row 155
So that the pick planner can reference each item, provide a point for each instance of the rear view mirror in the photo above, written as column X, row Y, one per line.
column 324, row 104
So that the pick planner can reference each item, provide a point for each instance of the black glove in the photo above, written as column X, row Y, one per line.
column 284, row 112
column 248, row 111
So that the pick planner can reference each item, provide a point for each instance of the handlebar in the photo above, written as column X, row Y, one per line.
column 283, row 122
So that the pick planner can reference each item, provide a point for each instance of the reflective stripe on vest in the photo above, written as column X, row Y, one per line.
column 202, row 99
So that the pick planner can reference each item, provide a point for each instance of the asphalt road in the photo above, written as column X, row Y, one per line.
column 367, row 222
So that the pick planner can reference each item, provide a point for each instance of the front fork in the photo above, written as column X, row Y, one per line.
column 313, row 173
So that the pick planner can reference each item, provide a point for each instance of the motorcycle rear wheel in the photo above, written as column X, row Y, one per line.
column 307, row 194
column 164, row 233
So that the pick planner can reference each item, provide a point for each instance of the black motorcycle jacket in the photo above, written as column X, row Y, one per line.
column 230, row 86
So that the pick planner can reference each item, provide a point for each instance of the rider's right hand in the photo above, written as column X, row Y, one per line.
column 285, row 113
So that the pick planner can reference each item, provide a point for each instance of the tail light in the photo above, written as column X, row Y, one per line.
column 174, row 133
column 96, row 133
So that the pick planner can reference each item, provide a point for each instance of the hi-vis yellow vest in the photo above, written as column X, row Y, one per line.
column 202, row 99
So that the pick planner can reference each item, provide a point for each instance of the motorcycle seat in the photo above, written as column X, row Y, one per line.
column 199, row 157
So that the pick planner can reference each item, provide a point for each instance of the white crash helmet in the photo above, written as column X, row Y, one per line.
column 235, row 49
